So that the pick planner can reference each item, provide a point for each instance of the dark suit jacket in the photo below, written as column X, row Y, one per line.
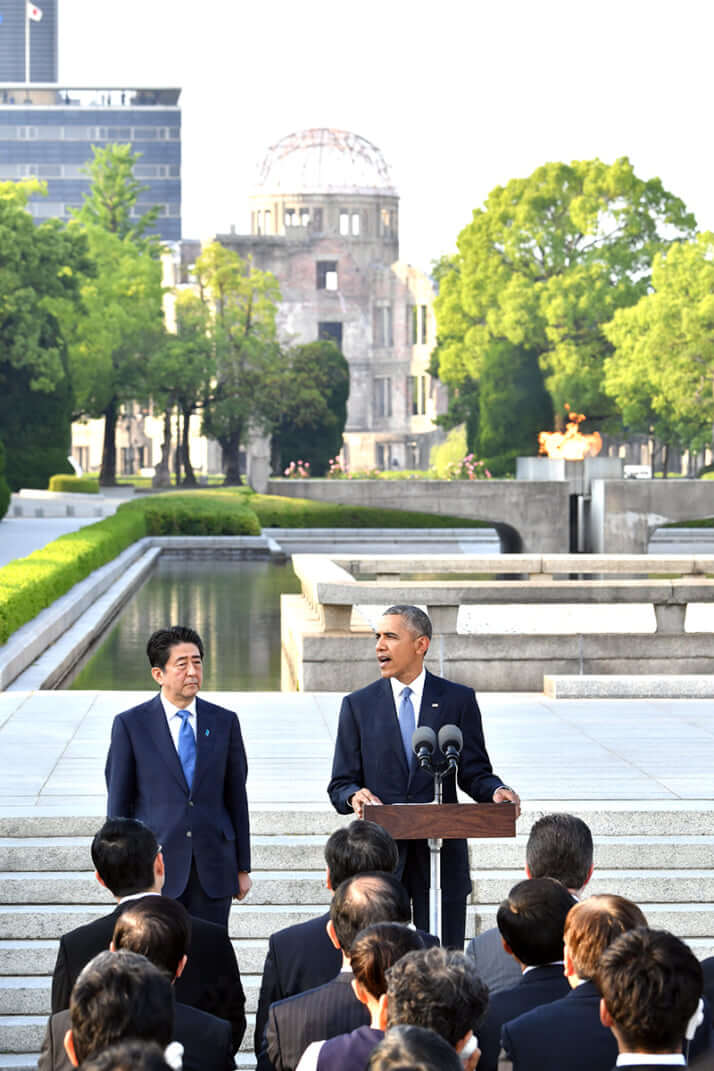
column 568, row 1035
column 210, row 823
column 299, row 958
column 210, row 981
column 541, row 985
column 206, row 1041
column 369, row 753
column 320, row 1013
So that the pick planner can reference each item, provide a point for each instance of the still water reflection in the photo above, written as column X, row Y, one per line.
column 234, row 605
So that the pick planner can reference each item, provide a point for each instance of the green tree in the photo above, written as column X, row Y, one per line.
column 243, row 302
column 40, row 266
column 314, row 392
column 513, row 406
column 661, row 371
column 545, row 264
column 122, row 324
column 180, row 374
column 4, row 489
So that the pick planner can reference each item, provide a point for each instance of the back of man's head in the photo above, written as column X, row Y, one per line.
column 560, row 846
column 376, row 949
column 413, row 1048
column 532, row 918
column 128, row 1056
column 651, row 983
column 158, row 928
column 438, row 988
column 123, row 853
column 363, row 900
column 593, row 925
column 120, row 995
column 357, row 848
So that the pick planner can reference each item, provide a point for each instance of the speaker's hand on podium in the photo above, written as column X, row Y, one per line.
column 508, row 795
column 362, row 796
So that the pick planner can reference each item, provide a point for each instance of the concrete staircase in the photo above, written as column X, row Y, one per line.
column 657, row 854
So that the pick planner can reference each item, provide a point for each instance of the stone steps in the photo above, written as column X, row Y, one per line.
column 655, row 852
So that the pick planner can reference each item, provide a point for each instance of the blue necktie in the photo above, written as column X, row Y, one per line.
column 407, row 724
column 186, row 747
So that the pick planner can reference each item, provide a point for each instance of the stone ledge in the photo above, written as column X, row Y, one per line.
column 645, row 686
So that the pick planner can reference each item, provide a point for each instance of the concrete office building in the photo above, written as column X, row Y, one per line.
column 47, row 131
column 14, row 28
column 325, row 221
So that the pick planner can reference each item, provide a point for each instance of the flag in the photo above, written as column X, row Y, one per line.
column 33, row 12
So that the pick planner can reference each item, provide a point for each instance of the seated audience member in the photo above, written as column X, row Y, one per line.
column 117, row 995
column 437, row 988
column 302, row 956
column 374, row 950
column 531, row 922
column 415, row 1049
column 559, row 846
column 128, row 861
column 567, row 1033
column 333, row 1008
column 651, row 986
column 160, row 929
column 129, row 1056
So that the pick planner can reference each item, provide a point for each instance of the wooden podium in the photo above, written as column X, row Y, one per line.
column 435, row 822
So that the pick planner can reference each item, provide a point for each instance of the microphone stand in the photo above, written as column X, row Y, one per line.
column 435, row 845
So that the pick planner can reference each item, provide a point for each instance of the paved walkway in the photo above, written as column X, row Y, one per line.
column 53, row 746
column 19, row 536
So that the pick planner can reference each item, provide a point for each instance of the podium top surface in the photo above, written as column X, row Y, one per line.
column 449, row 821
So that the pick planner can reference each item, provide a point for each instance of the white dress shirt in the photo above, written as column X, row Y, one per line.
column 637, row 1059
column 174, row 720
column 417, row 687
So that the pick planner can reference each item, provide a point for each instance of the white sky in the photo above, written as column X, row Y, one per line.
column 460, row 95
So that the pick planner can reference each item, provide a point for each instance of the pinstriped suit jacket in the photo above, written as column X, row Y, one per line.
column 319, row 1013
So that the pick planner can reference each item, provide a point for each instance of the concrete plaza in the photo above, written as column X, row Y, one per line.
column 659, row 752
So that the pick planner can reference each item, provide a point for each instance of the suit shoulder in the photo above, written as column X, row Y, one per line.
column 214, row 710
column 441, row 684
column 299, row 931
column 366, row 694
column 198, row 1019
column 136, row 713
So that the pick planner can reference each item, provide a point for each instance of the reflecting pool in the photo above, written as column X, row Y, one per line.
column 234, row 605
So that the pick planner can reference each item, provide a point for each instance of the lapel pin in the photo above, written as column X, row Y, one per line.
column 435, row 704
column 208, row 732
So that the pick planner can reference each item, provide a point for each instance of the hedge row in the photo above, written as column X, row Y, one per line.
column 198, row 513
column 30, row 584
column 85, row 485
column 276, row 512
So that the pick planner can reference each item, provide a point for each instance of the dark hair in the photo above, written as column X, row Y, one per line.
column 123, row 853
column 120, row 995
column 158, row 649
column 128, row 1056
column 593, row 925
column 365, row 899
column 413, row 1048
column 416, row 619
column 156, row 927
column 560, row 846
column 358, row 847
column 439, row 988
column 377, row 948
column 531, row 920
column 651, row 983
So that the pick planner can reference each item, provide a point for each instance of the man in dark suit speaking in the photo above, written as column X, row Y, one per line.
column 178, row 764
column 374, row 763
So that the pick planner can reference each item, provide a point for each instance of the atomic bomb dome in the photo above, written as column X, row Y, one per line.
column 324, row 160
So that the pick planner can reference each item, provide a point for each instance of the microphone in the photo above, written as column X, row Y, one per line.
column 424, row 745
column 451, row 741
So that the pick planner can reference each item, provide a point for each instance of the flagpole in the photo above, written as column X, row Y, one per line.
column 27, row 44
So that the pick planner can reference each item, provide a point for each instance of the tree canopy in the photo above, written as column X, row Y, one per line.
column 314, row 390
column 243, row 303
column 544, row 264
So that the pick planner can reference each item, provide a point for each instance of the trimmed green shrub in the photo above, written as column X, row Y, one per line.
column 85, row 485
column 4, row 488
column 30, row 584
column 276, row 512
column 195, row 513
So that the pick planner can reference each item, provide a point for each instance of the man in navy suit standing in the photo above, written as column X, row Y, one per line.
column 373, row 761
column 178, row 764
